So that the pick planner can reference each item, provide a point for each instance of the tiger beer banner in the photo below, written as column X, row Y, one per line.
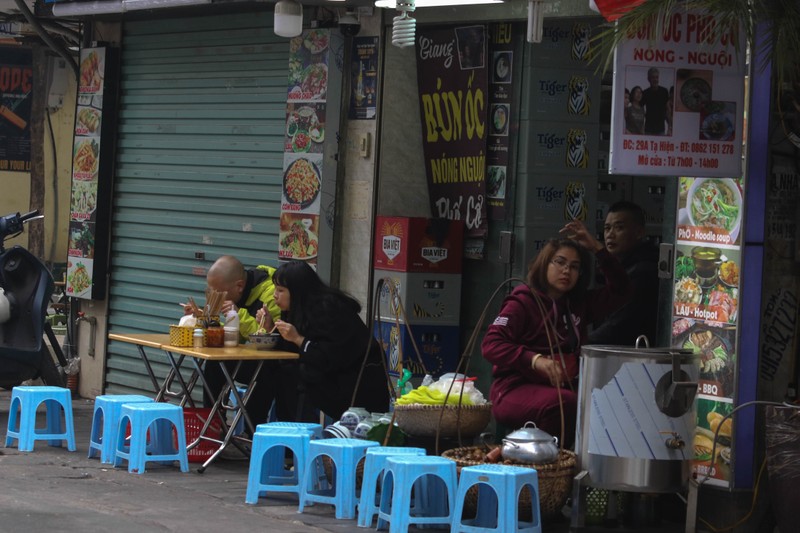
column 452, row 67
column 564, row 110
column 16, row 88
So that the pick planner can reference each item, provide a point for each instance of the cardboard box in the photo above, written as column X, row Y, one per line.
column 438, row 345
column 408, row 244
column 427, row 297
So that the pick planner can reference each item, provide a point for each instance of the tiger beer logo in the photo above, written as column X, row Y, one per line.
column 577, row 151
column 394, row 348
column 390, row 294
column 581, row 41
column 579, row 102
column 392, row 239
column 575, row 206
column 421, row 312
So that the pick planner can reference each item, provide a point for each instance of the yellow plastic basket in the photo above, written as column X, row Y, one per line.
column 180, row 335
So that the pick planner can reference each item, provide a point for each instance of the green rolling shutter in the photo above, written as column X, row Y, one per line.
column 198, row 168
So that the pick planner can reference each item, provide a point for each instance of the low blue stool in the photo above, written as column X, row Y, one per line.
column 268, row 475
column 159, row 418
column 22, row 417
column 345, row 454
column 439, row 480
column 316, row 429
column 105, row 421
column 374, row 463
column 499, row 489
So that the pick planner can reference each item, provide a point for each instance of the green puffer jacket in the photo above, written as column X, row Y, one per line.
column 258, row 290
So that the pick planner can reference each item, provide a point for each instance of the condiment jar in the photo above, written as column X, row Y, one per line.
column 365, row 425
column 215, row 337
column 231, row 337
column 197, row 338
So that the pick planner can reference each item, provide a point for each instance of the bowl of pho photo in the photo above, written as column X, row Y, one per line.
column 715, row 203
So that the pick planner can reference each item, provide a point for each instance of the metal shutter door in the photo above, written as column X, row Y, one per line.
column 198, row 168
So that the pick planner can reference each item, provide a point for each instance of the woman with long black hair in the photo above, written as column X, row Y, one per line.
column 324, row 325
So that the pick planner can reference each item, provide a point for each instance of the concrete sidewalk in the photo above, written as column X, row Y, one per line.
column 52, row 489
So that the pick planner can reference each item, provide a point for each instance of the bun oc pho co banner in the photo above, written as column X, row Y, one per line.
column 452, row 69
column 678, row 100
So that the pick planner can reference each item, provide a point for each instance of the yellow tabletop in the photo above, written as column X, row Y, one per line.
column 243, row 352
column 150, row 340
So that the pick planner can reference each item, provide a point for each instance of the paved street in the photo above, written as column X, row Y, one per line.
column 52, row 489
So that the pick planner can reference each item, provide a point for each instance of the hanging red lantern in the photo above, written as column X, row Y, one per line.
column 613, row 9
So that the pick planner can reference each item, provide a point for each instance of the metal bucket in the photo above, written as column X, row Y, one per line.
column 625, row 439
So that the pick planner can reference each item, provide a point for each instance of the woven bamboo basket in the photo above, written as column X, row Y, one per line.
column 555, row 480
column 422, row 420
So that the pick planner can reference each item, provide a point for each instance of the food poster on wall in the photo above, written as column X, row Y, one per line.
column 708, row 261
column 308, row 66
column 86, row 156
column 710, row 211
column 305, row 127
column 16, row 90
column 712, row 442
column 505, row 43
column 452, row 77
column 364, row 83
column 678, row 100
column 298, row 236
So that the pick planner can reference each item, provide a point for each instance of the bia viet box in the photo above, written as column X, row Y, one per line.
column 427, row 297
column 419, row 244
column 438, row 347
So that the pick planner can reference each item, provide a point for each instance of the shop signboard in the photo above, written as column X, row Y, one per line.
column 92, row 163
column 678, row 99
column 708, row 262
column 505, row 51
column 452, row 71
column 16, row 89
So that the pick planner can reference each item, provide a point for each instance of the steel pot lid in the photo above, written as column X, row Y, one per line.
column 529, row 433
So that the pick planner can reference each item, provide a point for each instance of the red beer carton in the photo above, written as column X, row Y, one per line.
column 407, row 244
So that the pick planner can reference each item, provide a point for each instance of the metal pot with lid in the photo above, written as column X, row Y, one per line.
column 530, row 444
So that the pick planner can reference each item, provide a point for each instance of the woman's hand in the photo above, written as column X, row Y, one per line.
column 289, row 332
column 577, row 231
column 263, row 314
column 550, row 368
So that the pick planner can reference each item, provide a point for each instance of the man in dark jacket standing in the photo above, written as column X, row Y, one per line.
column 624, row 233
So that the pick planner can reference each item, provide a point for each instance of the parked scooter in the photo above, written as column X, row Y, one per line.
column 26, row 286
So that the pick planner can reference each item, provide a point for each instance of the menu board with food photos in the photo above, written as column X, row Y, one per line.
column 303, row 145
column 705, row 313
column 91, row 174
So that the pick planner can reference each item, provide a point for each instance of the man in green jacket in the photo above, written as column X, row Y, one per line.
column 248, row 291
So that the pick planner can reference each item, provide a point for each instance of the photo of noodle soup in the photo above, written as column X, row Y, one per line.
column 715, row 203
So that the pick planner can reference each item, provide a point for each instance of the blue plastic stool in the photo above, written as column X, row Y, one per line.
column 400, row 475
column 159, row 418
column 105, row 421
column 345, row 454
column 316, row 429
column 265, row 473
column 374, row 463
column 22, row 417
column 499, row 488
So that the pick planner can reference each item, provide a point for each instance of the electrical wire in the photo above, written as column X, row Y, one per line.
column 752, row 505
column 55, row 189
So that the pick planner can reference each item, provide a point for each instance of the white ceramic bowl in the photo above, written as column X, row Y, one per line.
column 265, row 341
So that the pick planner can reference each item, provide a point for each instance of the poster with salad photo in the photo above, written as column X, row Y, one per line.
column 308, row 66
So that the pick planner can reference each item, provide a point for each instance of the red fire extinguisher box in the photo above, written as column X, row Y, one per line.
column 409, row 244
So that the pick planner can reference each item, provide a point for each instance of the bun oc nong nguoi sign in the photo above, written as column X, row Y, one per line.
column 678, row 99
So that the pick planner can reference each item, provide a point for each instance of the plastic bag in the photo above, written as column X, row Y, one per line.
column 458, row 381
column 73, row 366
column 188, row 320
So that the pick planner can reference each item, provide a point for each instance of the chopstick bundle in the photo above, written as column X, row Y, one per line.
column 214, row 301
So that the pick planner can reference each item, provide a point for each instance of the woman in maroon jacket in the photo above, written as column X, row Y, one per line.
column 527, row 373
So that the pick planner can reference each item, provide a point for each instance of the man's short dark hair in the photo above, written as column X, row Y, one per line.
column 636, row 212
